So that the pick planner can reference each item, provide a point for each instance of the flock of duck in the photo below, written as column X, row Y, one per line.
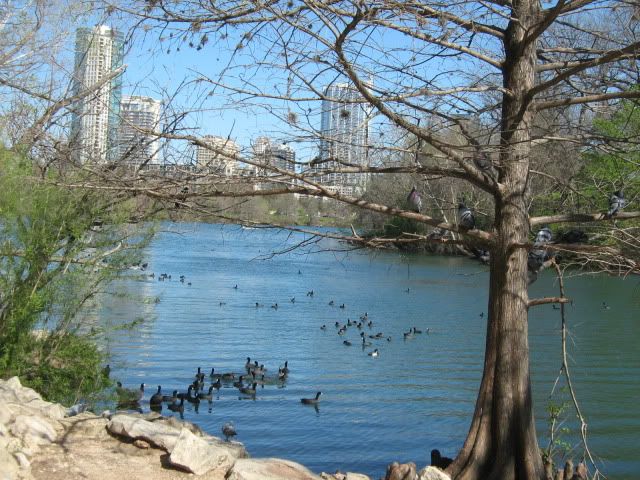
column 364, row 339
column 201, row 389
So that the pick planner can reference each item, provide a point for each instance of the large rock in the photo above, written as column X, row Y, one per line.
column 12, row 390
column 269, row 469
column 162, row 436
column 33, row 431
column 85, row 425
column 195, row 455
column 54, row 411
column 401, row 471
column 9, row 468
column 344, row 476
column 432, row 473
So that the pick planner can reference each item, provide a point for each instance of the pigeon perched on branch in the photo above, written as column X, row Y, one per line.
column 466, row 220
column 414, row 200
column 616, row 202
column 482, row 161
column 543, row 237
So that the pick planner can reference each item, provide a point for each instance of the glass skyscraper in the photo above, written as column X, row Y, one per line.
column 94, row 129
column 345, row 135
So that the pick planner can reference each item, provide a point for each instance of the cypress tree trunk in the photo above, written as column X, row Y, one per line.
column 502, row 443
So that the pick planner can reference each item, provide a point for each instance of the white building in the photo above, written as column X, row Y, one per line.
column 99, row 52
column 345, row 137
column 219, row 157
column 270, row 153
column 139, row 116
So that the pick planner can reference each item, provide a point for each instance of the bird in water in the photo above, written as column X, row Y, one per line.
column 126, row 395
column 170, row 398
column 466, row 220
column 177, row 407
column 414, row 200
column 229, row 430
column 616, row 202
column 156, row 398
column 311, row 401
column 374, row 354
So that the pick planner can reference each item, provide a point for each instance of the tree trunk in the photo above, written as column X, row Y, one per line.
column 502, row 443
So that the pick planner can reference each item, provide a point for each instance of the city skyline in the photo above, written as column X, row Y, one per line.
column 106, row 126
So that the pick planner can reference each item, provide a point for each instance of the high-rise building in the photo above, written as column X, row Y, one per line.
column 220, row 158
column 94, row 130
column 267, row 152
column 345, row 134
column 139, row 116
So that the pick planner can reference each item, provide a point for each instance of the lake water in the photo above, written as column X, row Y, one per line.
column 417, row 395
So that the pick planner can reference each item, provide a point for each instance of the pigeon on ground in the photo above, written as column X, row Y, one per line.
column 76, row 409
column 466, row 220
column 414, row 200
column 616, row 202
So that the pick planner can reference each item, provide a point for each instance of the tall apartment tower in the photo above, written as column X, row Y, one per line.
column 138, row 147
column 345, row 135
column 94, row 129
column 268, row 152
column 221, row 158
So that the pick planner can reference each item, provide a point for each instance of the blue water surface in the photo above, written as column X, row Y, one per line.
column 417, row 395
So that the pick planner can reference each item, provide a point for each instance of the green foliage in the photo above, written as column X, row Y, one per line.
column 615, row 167
column 558, row 447
column 59, row 248
column 69, row 367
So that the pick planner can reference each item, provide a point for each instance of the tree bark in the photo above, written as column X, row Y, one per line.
column 502, row 443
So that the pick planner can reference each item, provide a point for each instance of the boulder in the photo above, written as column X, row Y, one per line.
column 33, row 431
column 344, row 476
column 54, row 411
column 269, row 469
column 195, row 455
column 85, row 425
column 157, row 434
column 9, row 468
column 21, row 394
column 401, row 471
column 432, row 473
column 235, row 449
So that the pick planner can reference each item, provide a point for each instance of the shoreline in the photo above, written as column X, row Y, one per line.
column 39, row 441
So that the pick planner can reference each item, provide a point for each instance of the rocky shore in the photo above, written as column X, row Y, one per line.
column 39, row 441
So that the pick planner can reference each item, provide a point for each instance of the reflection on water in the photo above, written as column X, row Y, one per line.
column 418, row 394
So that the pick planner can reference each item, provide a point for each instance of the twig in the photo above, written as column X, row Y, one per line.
column 565, row 368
